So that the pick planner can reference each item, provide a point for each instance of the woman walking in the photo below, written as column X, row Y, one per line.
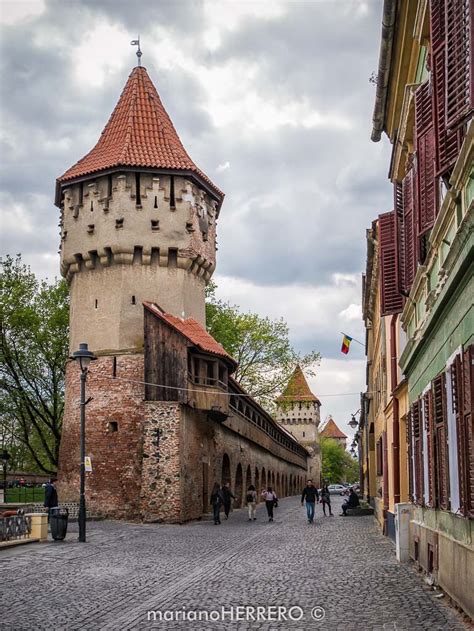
column 326, row 500
column 217, row 499
column 271, row 501
column 252, row 502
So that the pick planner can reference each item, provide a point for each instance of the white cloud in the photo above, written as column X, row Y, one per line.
column 17, row 11
column 225, row 166
column 352, row 312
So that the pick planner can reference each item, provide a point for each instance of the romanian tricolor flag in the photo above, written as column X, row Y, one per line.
column 346, row 342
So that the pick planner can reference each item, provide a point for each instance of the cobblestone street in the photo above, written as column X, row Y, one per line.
column 343, row 565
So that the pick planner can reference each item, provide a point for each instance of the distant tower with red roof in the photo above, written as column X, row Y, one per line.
column 331, row 430
column 298, row 411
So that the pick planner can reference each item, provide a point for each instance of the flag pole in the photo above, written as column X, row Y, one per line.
column 353, row 339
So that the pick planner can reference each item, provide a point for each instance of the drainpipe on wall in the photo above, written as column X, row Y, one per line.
column 385, row 56
column 385, row 481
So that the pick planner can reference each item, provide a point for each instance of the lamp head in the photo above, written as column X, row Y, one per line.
column 84, row 356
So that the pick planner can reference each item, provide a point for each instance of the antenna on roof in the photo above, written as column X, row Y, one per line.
column 136, row 42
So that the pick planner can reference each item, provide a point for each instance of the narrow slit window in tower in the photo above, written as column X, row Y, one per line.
column 81, row 193
column 96, row 303
column 134, row 301
column 114, row 367
column 156, row 202
column 92, row 205
column 138, row 196
column 109, row 185
column 173, row 257
column 172, row 198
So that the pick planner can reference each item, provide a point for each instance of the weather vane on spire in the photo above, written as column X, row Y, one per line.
column 136, row 42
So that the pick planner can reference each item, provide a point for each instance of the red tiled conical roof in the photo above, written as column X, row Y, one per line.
column 298, row 389
column 331, row 430
column 139, row 133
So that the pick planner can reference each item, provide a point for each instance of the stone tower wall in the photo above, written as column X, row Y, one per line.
column 118, row 250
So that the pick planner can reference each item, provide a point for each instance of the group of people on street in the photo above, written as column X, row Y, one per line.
column 223, row 496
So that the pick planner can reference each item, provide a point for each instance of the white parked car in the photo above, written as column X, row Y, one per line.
column 337, row 489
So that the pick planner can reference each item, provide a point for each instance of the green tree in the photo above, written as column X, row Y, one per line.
column 337, row 464
column 34, row 329
column 260, row 346
column 333, row 459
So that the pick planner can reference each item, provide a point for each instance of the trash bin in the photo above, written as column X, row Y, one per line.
column 58, row 518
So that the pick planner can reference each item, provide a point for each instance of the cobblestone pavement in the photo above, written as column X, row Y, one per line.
column 125, row 570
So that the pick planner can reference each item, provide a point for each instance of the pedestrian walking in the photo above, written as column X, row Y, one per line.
column 252, row 502
column 51, row 496
column 217, row 499
column 228, row 497
column 271, row 501
column 311, row 496
column 326, row 500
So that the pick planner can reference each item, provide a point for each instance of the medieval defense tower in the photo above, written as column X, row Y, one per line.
column 298, row 412
column 138, row 222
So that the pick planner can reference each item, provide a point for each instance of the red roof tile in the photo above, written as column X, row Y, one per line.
column 139, row 133
column 193, row 331
column 331, row 430
column 298, row 389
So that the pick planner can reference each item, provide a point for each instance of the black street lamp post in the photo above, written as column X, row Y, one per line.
column 84, row 356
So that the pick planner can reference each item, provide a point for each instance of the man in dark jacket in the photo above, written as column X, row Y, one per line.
column 352, row 502
column 228, row 496
column 311, row 495
column 50, row 495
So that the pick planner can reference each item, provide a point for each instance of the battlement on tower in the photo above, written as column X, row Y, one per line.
column 138, row 218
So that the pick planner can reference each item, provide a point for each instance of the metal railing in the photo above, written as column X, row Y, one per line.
column 17, row 526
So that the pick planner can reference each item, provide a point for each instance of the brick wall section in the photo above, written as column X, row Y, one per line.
column 113, row 487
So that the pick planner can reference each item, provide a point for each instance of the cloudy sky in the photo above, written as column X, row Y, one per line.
column 272, row 100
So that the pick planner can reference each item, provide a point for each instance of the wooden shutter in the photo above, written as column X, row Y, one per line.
column 459, row 97
column 448, row 141
column 418, row 451
column 457, row 410
column 399, row 236
column 468, row 425
column 425, row 160
column 428, row 420
column 410, row 443
column 409, row 230
column 441, row 440
column 392, row 300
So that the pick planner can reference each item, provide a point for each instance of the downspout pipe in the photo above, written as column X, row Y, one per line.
column 395, row 410
column 385, row 57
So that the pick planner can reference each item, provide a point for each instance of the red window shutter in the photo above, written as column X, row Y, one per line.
column 441, row 439
column 468, row 425
column 459, row 97
column 437, row 23
column 457, row 409
column 428, row 419
column 418, row 451
column 399, row 236
column 448, row 142
column 409, row 230
column 410, row 444
column 392, row 300
column 426, row 197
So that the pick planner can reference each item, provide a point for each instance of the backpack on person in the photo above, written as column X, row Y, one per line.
column 250, row 497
